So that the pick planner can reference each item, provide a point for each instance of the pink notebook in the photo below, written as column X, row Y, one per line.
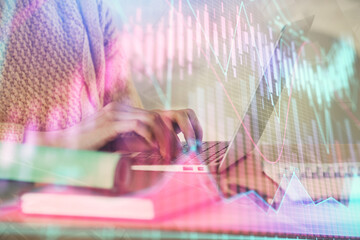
column 175, row 193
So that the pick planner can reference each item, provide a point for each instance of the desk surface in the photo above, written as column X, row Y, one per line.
column 237, row 218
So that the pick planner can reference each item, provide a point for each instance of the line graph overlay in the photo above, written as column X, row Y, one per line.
column 296, row 213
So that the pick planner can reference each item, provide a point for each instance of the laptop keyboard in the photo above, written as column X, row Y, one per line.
column 211, row 154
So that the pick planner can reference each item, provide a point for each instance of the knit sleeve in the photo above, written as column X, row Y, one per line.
column 118, row 83
column 11, row 132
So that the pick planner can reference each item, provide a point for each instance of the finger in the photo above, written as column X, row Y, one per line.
column 167, row 117
column 152, row 124
column 183, row 121
column 196, row 124
column 132, row 143
column 160, row 132
column 165, row 137
column 136, row 126
column 151, row 120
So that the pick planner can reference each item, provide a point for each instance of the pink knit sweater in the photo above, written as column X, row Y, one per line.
column 60, row 61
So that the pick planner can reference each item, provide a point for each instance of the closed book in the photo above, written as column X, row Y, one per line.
column 172, row 194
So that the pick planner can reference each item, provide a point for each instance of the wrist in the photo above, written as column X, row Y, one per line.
column 50, row 139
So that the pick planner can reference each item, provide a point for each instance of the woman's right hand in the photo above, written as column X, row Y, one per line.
column 112, row 122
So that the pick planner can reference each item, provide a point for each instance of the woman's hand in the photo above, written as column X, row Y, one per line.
column 184, row 121
column 137, row 129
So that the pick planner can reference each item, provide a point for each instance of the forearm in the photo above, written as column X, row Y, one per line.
column 50, row 139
